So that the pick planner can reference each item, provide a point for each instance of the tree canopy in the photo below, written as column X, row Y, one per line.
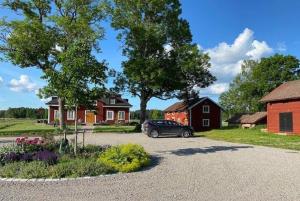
column 161, row 60
column 257, row 79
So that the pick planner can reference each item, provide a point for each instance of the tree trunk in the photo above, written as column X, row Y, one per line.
column 143, row 107
column 61, row 104
column 76, row 137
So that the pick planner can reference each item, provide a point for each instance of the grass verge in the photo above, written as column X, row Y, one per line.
column 253, row 136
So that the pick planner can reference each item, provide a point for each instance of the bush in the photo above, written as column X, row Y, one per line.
column 46, row 156
column 79, row 168
column 24, row 170
column 137, row 128
column 35, row 169
column 125, row 158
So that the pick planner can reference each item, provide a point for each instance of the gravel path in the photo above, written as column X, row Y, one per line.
column 186, row 169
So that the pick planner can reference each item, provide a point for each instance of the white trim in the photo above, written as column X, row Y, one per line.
column 113, row 115
column 208, row 109
column 117, row 106
column 128, row 116
column 208, row 120
column 204, row 98
column 54, row 116
column 73, row 118
column 119, row 115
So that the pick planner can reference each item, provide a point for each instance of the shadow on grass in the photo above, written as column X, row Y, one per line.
column 205, row 150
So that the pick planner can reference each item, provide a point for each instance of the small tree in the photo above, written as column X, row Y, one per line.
column 41, row 38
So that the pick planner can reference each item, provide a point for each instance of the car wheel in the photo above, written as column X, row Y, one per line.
column 154, row 133
column 186, row 133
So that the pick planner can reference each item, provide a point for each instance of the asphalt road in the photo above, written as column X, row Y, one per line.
column 184, row 169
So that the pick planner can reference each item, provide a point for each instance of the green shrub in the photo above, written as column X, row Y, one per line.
column 79, row 168
column 125, row 158
column 11, row 169
column 26, row 170
column 35, row 169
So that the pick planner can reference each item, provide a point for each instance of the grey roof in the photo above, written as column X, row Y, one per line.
column 254, row 118
column 237, row 118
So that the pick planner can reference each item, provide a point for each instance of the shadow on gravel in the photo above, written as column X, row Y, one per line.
column 205, row 150
column 155, row 160
column 6, row 141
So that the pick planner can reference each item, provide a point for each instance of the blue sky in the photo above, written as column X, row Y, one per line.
column 228, row 30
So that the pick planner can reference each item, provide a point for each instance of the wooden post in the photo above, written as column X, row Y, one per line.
column 75, row 146
column 83, row 138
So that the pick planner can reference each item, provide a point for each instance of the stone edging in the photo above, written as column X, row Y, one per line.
column 56, row 180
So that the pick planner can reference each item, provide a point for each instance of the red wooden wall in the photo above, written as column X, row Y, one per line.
column 274, row 109
column 197, row 116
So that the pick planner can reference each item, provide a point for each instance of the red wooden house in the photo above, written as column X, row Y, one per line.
column 111, row 110
column 201, row 113
column 283, row 108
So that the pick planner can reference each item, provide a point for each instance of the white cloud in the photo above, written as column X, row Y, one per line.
column 218, row 88
column 226, row 59
column 281, row 47
column 24, row 84
column 1, row 80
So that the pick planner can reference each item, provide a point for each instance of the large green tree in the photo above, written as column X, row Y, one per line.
column 193, row 71
column 46, row 35
column 161, row 60
column 257, row 79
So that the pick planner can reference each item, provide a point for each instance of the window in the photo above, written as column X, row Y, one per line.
column 56, row 114
column 205, row 108
column 121, row 115
column 113, row 101
column 110, row 115
column 70, row 115
column 205, row 123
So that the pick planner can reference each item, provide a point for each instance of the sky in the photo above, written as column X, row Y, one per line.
column 230, row 31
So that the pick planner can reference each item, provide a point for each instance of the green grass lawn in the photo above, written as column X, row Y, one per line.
column 15, row 127
column 114, row 129
column 253, row 136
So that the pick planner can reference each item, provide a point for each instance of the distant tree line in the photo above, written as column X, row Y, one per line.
column 150, row 114
column 24, row 112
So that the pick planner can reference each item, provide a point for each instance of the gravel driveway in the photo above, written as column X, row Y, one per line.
column 184, row 169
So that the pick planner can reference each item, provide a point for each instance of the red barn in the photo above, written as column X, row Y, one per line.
column 108, row 110
column 202, row 114
column 283, row 108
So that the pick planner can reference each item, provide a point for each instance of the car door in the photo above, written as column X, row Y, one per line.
column 175, row 128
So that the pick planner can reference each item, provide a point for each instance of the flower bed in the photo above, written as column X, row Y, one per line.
column 36, row 158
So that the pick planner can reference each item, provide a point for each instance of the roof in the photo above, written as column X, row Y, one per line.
column 286, row 91
column 184, row 105
column 237, row 118
column 254, row 118
column 119, row 101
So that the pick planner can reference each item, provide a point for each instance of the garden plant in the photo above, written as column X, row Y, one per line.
column 47, row 158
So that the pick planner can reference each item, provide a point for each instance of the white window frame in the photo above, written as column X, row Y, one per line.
column 70, row 117
column 119, row 115
column 113, row 114
column 205, row 120
column 56, row 114
column 112, row 101
column 206, row 109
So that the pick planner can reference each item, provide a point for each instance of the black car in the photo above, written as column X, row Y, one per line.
column 156, row 128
